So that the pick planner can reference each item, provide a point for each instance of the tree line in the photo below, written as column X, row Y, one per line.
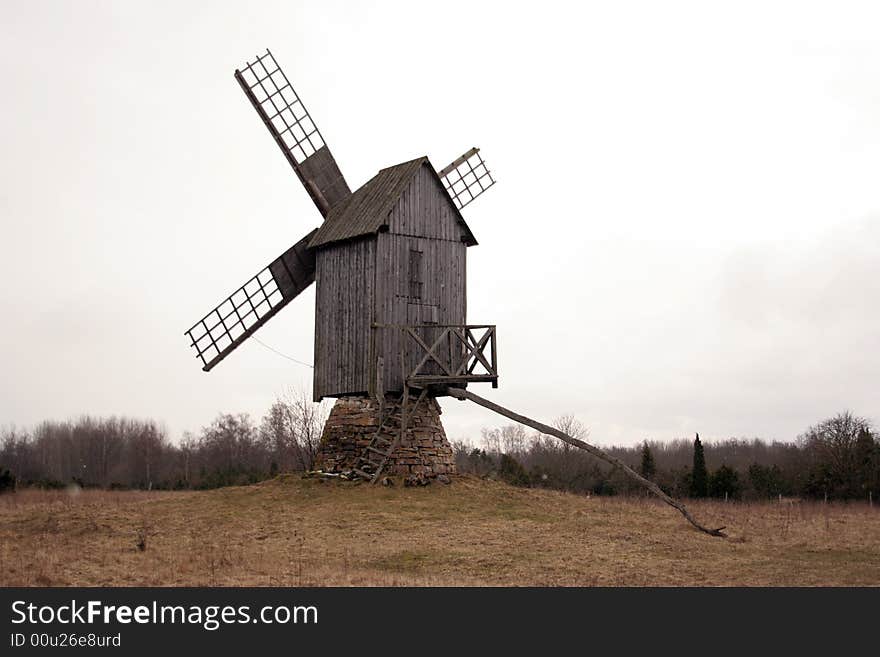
column 130, row 453
column 837, row 458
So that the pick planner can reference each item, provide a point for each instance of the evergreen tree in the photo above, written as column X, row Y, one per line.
column 512, row 471
column 647, row 468
column 724, row 483
column 867, row 463
column 7, row 481
column 767, row 481
column 699, row 476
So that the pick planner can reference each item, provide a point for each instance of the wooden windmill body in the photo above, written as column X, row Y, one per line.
column 389, row 263
column 390, row 258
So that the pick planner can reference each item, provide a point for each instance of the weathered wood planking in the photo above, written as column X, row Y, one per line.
column 323, row 180
column 294, row 270
column 423, row 220
column 345, row 276
column 367, row 281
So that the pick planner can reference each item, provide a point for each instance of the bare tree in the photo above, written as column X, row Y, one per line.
column 831, row 447
column 491, row 439
column 147, row 442
column 188, row 445
column 570, row 425
column 292, row 429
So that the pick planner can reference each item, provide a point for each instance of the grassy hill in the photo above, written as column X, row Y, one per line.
column 292, row 531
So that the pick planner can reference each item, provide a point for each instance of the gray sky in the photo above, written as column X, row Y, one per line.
column 685, row 235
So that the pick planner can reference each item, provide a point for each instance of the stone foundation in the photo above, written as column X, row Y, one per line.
column 424, row 449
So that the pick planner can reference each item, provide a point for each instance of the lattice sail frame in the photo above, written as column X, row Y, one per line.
column 466, row 178
column 285, row 116
column 238, row 317
column 289, row 119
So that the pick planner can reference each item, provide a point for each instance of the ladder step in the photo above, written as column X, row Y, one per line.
column 364, row 460
column 383, row 440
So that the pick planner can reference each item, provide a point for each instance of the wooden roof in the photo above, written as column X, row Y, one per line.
column 366, row 210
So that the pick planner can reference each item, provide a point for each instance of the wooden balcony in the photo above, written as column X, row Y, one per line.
column 439, row 355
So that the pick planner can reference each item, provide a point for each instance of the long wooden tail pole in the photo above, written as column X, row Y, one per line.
column 460, row 393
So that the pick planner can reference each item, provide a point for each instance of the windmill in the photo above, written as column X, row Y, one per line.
column 389, row 263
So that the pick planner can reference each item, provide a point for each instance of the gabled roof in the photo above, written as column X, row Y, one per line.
column 366, row 210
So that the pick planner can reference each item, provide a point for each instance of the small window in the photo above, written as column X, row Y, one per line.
column 415, row 274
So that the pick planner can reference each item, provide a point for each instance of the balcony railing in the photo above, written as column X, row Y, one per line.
column 436, row 354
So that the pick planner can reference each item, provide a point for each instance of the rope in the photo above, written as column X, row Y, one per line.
column 272, row 349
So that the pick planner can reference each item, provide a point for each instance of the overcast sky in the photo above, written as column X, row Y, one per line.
column 685, row 235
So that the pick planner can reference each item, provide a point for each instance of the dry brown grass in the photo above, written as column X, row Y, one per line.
column 292, row 532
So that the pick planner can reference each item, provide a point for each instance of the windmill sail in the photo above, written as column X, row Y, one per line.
column 285, row 116
column 466, row 178
column 238, row 317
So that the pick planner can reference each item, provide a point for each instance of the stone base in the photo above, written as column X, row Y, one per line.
column 424, row 449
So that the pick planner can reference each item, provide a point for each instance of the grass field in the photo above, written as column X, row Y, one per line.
column 291, row 532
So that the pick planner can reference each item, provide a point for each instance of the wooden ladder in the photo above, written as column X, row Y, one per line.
column 374, row 458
